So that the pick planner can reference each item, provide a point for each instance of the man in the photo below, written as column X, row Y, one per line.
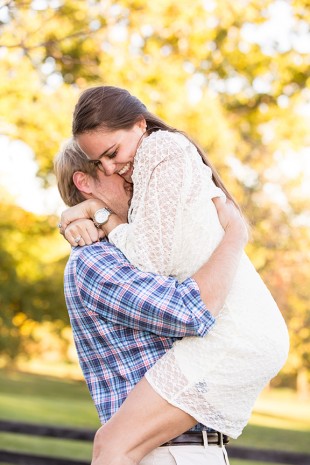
column 124, row 320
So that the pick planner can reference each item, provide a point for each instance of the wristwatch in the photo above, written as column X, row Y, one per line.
column 101, row 216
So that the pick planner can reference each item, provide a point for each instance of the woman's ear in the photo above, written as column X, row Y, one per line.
column 142, row 123
column 81, row 181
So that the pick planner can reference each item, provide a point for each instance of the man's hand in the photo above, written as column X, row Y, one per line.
column 82, row 210
column 82, row 232
column 77, row 227
column 230, row 218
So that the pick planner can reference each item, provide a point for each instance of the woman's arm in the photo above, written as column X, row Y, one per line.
column 161, row 177
column 171, row 208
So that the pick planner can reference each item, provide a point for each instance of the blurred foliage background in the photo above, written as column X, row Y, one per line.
column 234, row 75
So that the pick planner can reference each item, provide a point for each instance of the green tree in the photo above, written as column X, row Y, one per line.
column 214, row 69
column 31, row 280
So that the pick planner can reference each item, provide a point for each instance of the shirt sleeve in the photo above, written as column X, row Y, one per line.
column 119, row 293
column 154, row 231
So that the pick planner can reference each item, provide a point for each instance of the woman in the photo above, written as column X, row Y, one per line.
column 215, row 379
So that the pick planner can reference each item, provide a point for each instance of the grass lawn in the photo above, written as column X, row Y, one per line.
column 247, row 462
column 46, row 400
column 280, row 421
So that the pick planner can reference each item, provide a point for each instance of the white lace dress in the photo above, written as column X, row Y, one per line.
column 173, row 229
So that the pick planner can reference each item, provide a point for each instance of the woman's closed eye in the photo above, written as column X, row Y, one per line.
column 112, row 155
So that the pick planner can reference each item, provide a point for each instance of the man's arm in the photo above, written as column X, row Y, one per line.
column 119, row 293
column 216, row 276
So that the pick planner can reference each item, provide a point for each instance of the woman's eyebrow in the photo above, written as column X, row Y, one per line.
column 105, row 152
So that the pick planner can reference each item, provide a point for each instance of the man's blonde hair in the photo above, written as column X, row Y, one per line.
column 69, row 160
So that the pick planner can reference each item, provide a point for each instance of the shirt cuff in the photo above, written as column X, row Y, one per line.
column 192, row 300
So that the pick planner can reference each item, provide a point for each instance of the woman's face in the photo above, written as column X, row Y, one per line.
column 113, row 151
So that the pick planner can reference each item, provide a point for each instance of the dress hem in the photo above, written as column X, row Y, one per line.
column 214, row 426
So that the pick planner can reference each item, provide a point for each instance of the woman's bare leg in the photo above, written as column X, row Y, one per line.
column 144, row 422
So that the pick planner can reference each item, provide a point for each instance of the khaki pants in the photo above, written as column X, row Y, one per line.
column 187, row 455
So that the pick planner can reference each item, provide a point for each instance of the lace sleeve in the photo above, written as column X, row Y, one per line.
column 152, row 234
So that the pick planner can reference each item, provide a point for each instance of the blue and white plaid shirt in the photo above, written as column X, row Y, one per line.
column 124, row 320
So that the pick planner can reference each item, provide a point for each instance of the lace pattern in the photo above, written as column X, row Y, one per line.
column 173, row 229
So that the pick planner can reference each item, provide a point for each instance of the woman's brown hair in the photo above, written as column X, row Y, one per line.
column 113, row 108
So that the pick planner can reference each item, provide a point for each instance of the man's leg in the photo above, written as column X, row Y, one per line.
column 206, row 454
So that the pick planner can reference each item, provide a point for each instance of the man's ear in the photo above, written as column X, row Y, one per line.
column 81, row 181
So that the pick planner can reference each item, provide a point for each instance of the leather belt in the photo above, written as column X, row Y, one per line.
column 193, row 438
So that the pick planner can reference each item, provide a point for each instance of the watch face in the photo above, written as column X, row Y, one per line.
column 101, row 216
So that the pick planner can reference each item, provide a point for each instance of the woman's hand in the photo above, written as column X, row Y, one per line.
column 82, row 210
column 82, row 232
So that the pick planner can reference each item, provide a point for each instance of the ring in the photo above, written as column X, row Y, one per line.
column 77, row 239
column 59, row 225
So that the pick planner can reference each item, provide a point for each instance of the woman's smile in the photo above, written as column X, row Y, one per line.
column 124, row 169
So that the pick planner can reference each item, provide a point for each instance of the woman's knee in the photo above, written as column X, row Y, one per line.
column 110, row 452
